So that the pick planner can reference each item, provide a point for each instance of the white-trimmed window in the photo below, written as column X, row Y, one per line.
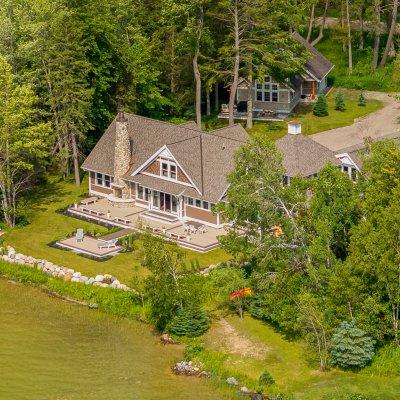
column 143, row 193
column 267, row 91
column 205, row 205
column 104, row 180
column 168, row 169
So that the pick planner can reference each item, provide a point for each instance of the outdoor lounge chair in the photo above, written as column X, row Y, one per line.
column 79, row 235
column 102, row 244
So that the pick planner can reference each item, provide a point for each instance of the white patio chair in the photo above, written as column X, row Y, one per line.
column 202, row 229
column 79, row 235
column 107, row 244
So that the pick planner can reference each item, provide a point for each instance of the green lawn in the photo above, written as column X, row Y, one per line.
column 47, row 225
column 310, row 123
column 288, row 364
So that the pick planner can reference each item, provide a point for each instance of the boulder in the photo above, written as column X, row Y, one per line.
column 76, row 274
column 67, row 277
column 99, row 278
column 245, row 390
column 90, row 281
column 75, row 279
column 232, row 381
column 107, row 278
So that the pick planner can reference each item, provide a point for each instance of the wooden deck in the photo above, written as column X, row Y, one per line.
column 134, row 218
column 88, row 246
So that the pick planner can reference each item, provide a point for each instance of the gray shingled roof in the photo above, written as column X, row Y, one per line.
column 302, row 156
column 207, row 158
column 318, row 65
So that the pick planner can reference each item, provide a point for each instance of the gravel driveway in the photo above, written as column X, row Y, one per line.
column 376, row 125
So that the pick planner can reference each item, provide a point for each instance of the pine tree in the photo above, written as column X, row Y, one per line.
column 320, row 108
column 361, row 100
column 189, row 322
column 351, row 347
column 339, row 102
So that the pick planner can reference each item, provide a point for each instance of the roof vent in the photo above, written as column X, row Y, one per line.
column 223, row 146
column 294, row 127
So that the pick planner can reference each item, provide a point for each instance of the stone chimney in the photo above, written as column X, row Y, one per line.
column 122, row 157
column 294, row 127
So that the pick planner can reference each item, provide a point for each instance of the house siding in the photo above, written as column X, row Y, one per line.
column 100, row 189
column 153, row 168
column 202, row 215
column 182, row 177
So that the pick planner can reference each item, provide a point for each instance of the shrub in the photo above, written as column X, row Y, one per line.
column 320, row 108
column 266, row 379
column 351, row 347
column 361, row 100
column 192, row 350
column 189, row 322
column 339, row 102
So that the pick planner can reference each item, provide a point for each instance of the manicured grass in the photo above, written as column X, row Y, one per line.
column 47, row 225
column 290, row 365
column 310, row 123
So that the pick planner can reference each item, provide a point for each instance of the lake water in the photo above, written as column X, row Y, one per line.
column 53, row 350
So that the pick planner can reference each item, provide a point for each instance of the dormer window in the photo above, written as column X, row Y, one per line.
column 168, row 169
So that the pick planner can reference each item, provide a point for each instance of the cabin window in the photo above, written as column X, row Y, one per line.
column 164, row 169
column 198, row 203
column 205, row 205
column 267, row 91
column 172, row 171
column 168, row 169
column 190, row 201
column 99, row 179
column 103, row 180
column 107, row 181
column 140, row 192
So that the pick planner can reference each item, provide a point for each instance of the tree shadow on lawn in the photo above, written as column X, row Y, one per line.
column 39, row 198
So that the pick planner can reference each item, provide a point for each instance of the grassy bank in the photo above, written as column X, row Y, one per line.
column 47, row 225
column 245, row 348
column 113, row 301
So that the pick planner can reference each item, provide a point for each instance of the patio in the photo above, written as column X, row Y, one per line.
column 88, row 246
column 134, row 217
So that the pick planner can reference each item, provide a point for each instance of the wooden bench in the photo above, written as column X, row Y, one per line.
column 123, row 220
column 89, row 200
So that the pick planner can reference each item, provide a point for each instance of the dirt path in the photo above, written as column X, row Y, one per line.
column 376, row 125
column 233, row 342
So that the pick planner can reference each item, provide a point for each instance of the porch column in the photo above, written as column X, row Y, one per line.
column 313, row 90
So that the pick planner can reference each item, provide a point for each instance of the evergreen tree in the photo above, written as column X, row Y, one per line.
column 189, row 322
column 351, row 347
column 339, row 102
column 320, row 108
column 361, row 100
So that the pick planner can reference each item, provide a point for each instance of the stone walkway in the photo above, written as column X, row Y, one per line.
column 379, row 124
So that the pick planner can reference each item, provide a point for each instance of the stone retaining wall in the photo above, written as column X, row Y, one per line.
column 67, row 274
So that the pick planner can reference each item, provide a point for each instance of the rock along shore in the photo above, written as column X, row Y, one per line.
column 67, row 274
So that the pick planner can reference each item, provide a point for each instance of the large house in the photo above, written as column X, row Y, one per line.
column 173, row 172
column 276, row 100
